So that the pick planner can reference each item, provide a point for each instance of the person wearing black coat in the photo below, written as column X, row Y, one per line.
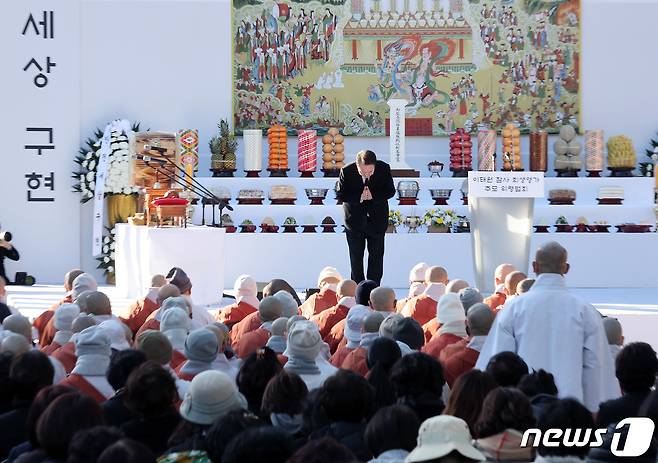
column 364, row 187
column 7, row 250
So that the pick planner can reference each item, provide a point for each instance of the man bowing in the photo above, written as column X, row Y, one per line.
column 365, row 186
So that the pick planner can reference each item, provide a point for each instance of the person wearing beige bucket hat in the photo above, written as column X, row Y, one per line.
column 212, row 394
column 444, row 439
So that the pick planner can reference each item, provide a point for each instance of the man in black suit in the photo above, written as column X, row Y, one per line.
column 365, row 186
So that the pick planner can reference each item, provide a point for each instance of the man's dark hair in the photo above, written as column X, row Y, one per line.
column 285, row 393
column 62, row 419
column 353, row 407
column 261, row 444
column 538, row 382
column 366, row 157
column 87, row 445
column 150, row 390
column 323, row 450
column 392, row 427
column 122, row 363
column 507, row 368
column 225, row 428
column 562, row 414
column 504, row 408
column 636, row 366
column 29, row 373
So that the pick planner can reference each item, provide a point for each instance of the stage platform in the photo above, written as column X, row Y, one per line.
column 636, row 308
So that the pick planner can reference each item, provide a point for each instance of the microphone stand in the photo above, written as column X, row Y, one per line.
column 207, row 197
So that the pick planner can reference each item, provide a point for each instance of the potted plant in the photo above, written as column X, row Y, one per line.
column 290, row 225
column 247, row 226
column 223, row 149
column 395, row 219
column 562, row 225
column 439, row 220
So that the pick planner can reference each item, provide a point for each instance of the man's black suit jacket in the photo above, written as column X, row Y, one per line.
column 368, row 216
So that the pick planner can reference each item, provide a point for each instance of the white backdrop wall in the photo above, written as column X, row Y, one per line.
column 167, row 64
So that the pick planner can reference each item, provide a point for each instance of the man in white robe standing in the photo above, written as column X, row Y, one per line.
column 552, row 329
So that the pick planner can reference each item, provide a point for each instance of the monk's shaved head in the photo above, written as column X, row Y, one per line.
column 524, row 286
column 454, row 286
column 512, row 280
column 479, row 319
column 97, row 303
column 436, row 275
column 372, row 322
column 346, row 288
column 157, row 281
column 551, row 258
column 613, row 331
column 70, row 276
column 382, row 299
column 81, row 322
column 502, row 271
column 167, row 291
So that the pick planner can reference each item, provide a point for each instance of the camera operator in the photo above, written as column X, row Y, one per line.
column 6, row 250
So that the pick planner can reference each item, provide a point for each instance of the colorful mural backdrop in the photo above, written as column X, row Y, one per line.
column 335, row 63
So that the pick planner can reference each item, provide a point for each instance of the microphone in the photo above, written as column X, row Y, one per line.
column 148, row 159
column 155, row 148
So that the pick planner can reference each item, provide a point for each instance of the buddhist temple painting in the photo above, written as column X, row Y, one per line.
column 458, row 63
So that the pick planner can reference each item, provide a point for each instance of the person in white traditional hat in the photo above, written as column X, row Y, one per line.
column 304, row 345
column 452, row 319
column 422, row 308
column 269, row 309
column 41, row 322
column 246, row 302
column 62, row 321
column 175, row 324
column 353, row 329
column 139, row 311
column 326, row 297
column 118, row 334
column 444, row 439
column 416, row 283
column 92, row 347
column 201, row 349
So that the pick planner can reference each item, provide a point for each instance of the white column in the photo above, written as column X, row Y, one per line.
column 397, row 133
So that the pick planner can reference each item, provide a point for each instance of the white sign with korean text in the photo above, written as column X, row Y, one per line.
column 484, row 184
column 40, row 132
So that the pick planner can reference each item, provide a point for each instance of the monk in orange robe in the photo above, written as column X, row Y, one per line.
column 201, row 349
column 143, row 307
column 326, row 297
column 416, row 284
column 82, row 283
column 66, row 353
column 269, row 309
column 42, row 320
column 461, row 357
column 62, row 321
column 92, row 347
column 499, row 296
column 423, row 308
column 326, row 319
column 153, row 319
column 353, row 330
column 246, row 302
column 451, row 317
column 356, row 360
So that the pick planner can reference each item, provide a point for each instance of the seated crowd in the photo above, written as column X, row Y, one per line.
column 349, row 375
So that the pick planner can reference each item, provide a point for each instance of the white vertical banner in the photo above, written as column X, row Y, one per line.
column 40, row 132
column 397, row 133
column 121, row 126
